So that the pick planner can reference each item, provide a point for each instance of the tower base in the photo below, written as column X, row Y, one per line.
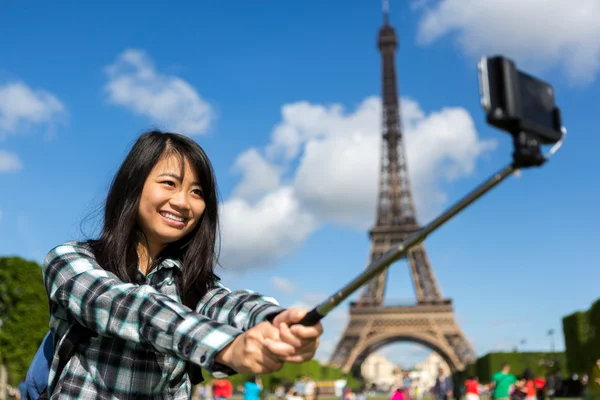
column 372, row 327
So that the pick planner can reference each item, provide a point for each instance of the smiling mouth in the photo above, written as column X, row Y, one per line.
column 172, row 217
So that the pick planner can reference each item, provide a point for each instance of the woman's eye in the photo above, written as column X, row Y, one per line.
column 169, row 183
column 198, row 192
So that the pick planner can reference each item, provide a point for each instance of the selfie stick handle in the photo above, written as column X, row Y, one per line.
column 400, row 251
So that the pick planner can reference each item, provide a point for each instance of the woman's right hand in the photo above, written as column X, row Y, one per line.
column 259, row 350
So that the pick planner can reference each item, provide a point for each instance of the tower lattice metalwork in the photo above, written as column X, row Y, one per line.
column 431, row 320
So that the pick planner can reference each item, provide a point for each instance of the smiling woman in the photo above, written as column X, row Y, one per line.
column 171, row 206
column 147, row 291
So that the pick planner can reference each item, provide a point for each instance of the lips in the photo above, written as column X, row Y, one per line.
column 173, row 220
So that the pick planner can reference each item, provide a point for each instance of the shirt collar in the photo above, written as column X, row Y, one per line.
column 169, row 263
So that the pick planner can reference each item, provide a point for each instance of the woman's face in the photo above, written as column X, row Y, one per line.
column 171, row 205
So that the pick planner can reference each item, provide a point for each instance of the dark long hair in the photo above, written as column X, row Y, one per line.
column 116, row 248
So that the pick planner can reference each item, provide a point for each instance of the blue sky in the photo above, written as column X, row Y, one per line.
column 284, row 98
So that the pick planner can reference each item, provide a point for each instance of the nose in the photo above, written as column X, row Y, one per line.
column 180, row 201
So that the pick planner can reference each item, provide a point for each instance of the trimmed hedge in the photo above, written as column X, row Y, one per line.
column 582, row 344
column 576, row 330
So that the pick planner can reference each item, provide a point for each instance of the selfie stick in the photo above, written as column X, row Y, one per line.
column 527, row 154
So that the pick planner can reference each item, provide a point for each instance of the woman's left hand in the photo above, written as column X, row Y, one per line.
column 305, row 339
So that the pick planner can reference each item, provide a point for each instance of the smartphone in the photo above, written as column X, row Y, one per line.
column 517, row 102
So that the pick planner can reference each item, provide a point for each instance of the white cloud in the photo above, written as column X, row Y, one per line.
column 167, row 100
column 338, row 174
column 331, row 160
column 9, row 162
column 259, row 176
column 283, row 285
column 550, row 32
column 22, row 107
column 260, row 233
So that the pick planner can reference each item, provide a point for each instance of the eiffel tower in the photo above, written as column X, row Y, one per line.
column 431, row 320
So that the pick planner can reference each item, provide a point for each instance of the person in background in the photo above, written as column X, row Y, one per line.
column 554, row 383
column 502, row 381
column 292, row 394
column 280, row 392
column 528, row 383
column 407, row 382
column 310, row 387
column 540, row 384
column 419, row 390
column 398, row 394
column 22, row 390
column 222, row 389
column 361, row 393
column 299, row 386
column 444, row 387
column 472, row 388
column 348, row 395
column 252, row 388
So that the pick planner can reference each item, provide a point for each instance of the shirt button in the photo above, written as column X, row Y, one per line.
column 202, row 359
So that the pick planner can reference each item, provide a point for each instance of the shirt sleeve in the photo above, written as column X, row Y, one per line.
column 241, row 308
column 97, row 299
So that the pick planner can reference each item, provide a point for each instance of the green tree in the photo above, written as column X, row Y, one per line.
column 24, row 314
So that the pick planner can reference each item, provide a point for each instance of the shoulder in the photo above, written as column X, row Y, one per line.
column 69, row 251
column 69, row 248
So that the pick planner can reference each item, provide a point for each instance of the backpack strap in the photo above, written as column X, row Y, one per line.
column 76, row 335
column 194, row 373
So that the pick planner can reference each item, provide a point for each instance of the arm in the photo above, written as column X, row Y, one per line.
column 99, row 301
column 241, row 309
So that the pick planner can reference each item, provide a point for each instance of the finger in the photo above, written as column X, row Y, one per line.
column 305, row 353
column 290, row 316
column 307, row 332
column 308, row 346
column 267, row 330
column 299, row 358
column 279, row 349
column 287, row 336
column 269, row 362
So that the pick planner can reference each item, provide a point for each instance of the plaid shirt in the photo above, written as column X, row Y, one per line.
column 145, row 335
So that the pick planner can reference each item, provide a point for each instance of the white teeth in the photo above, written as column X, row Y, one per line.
column 171, row 216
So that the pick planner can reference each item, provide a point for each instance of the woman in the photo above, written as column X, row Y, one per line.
column 147, row 288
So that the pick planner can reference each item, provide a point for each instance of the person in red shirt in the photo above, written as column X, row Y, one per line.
column 472, row 388
column 222, row 389
column 529, row 387
column 540, row 383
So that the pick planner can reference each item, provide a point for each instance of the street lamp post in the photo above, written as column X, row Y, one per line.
column 551, row 334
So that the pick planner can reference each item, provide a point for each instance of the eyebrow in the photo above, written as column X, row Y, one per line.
column 175, row 176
